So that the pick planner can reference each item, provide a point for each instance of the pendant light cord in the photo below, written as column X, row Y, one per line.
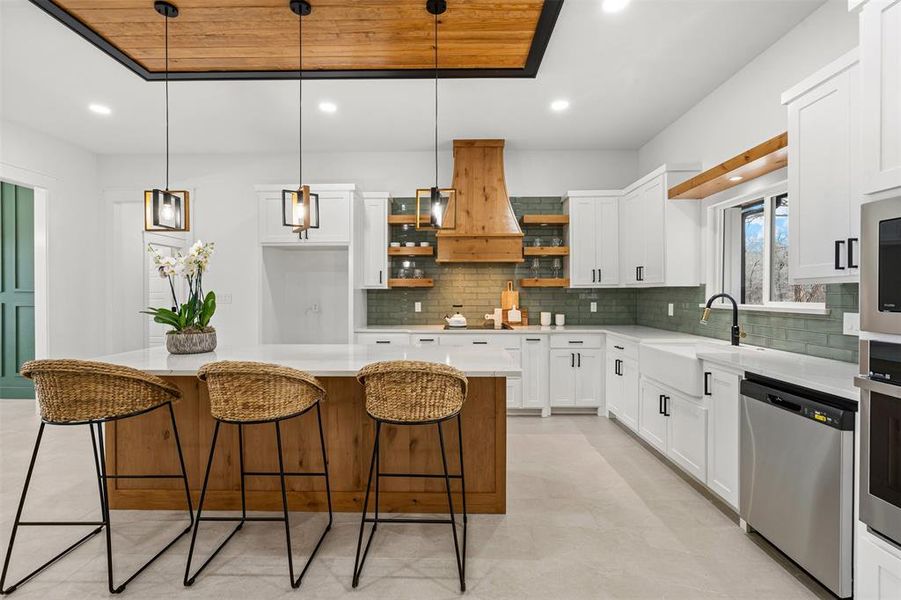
column 300, row 96
column 166, row 17
column 436, row 100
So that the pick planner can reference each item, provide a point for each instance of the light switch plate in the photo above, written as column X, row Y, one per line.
column 669, row 309
column 594, row 307
column 417, row 306
column 224, row 299
column 851, row 324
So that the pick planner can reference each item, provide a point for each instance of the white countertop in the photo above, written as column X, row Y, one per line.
column 823, row 374
column 322, row 360
column 636, row 333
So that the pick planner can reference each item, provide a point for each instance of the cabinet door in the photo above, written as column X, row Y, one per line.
column 590, row 377
column 632, row 244
column 819, row 179
column 334, row 219
column 534, row 372
column 375, row 243
column 652, row 251
column 878, row 573
column 562, row 378
column 613, row 385
column 722, row 388
column 687, row 435
column 628, row 410
column 651, row 420
column 514, row 392
column 583, row 247
column 880, row 59
column 607, row 241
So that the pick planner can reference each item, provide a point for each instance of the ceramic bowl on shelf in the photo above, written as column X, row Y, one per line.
column 395, row 244
column 410, row 244
column 424, row 244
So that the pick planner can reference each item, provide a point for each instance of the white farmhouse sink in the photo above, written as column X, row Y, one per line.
column 676, row 364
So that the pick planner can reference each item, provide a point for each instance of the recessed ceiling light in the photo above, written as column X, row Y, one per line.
column 100, row 109
column 559, row 105
column 736, row 178
column 614, row 6
column 328, row 107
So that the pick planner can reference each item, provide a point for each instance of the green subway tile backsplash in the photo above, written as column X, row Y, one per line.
column 818, row 335
column 478, row 288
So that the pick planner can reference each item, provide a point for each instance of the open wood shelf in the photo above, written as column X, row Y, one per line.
column 415, row 251
column 764, row 158
column 545, row 251
column 548, row 282
column 544, row 220
column 410, row 283
column 405, row 219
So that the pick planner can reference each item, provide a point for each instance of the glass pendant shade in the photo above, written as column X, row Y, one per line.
column 300, row 209
column 436, row 208
column 167, row 210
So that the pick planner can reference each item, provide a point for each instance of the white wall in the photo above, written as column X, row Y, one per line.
column 746, row 109
column 225, row 204
column 75, row 258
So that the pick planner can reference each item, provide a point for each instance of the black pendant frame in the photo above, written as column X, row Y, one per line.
column 156, row 200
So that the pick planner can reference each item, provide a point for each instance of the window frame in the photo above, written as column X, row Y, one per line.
column 717, row 273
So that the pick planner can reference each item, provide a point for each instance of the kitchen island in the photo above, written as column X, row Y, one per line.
column 143, row 445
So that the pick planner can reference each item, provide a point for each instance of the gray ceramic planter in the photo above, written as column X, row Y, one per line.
column 191, row 343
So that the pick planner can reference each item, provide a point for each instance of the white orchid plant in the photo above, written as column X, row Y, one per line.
column 193, row 315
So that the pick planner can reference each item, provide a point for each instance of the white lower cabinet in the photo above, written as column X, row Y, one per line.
column 534, row 352
column 514, row 392
column 878, row 571
column 562, row 377
column 371, row 339
column 676, row 425
column 722, row 387
column 622, row 391
column 577, row 378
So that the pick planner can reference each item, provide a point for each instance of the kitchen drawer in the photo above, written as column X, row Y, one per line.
column 424, row 339
column 571, row 340
column 508, row 341
column 617, row 347
column 398, row 339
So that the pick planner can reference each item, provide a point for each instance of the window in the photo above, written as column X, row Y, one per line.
column 753, row 266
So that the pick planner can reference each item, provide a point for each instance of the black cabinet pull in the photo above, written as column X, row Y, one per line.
column 619, row 367
column 572, row 360
column 382, row 341
column 480, row 343
column 666, row 412
column 580, row 360
column 619, row 347
column 599, row 275
column 426, row 339
column 660, row 404
column 576, row 342
column 593, row 275
column 707, row 375
column 380, row 277
column 838, row 255
column 533, row 339
column 636, row 274
column 851, row 264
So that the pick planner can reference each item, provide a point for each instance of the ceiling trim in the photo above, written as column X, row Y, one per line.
column 547, row 19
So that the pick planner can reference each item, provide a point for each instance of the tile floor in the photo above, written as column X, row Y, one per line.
column 592, row 513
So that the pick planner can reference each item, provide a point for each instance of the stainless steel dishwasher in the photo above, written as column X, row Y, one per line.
column 797, row 475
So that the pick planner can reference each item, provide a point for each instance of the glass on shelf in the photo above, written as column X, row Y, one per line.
column 556, row 242
column 556, row 266
column 535, row 269
column 536, row 242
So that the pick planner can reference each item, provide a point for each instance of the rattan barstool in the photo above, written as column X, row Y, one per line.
column 251, row 393
column 77, row 392
column 413, row 393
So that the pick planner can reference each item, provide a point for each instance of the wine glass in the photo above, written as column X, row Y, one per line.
column 535, row 268
column 556, row 266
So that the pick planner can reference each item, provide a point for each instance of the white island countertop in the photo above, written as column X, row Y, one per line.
column 322, row 360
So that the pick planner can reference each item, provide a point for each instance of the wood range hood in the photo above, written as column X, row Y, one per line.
column 486, row 229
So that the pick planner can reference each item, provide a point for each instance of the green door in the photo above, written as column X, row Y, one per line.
column 16, row 288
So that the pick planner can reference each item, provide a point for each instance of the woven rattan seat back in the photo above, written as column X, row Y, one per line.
column 72, row 391
column 407, row 391
column 250, row 391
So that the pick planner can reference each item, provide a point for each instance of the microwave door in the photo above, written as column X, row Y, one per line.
column 889, row 265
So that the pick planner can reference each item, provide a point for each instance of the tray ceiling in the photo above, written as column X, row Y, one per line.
column 257, row 39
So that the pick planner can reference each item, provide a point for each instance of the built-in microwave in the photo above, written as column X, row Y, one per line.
column 880, row 266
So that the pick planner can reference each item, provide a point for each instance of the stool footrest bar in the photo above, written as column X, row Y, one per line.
column 277, row 474
column 60, row 523
column 420, row 475
column 406, row 520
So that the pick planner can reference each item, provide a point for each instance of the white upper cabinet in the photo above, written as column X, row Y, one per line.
column 373, row 236
column 593, row 238
column 823, row 167
column 335, row 204
column 660, row 237
column 880, row 62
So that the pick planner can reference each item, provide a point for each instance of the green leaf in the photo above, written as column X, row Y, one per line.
column 208, row 309
column 164, row 316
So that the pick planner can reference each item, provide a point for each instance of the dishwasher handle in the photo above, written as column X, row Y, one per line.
column 783, row 403
column 803, row 406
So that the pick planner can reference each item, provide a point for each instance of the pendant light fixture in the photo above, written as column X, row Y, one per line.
column 440, row 201
column 300, row 207
column 167, row 210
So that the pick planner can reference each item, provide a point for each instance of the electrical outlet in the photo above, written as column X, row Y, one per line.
column 669, row 309
column 224, row 299
column 851, row 324
column 417, row 307
column 594, row 307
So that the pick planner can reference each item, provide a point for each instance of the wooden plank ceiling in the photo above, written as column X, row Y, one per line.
column 260, row 36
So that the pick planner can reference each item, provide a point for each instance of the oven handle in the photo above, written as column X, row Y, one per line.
column 871, row 385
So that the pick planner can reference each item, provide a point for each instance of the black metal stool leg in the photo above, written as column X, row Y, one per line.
column 241, row 465
column 18, row 522
column 462, row 490
column 281, row 473
column 184, row 471
column 189, row 579
column 358, row 563
column 450, row 504
column 328, row 489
